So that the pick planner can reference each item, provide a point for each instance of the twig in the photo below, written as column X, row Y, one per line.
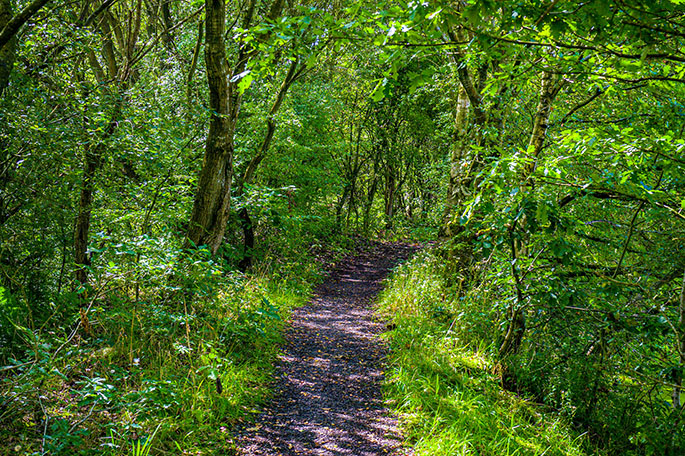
column 45, row 426
column 78, row 423
column 627, row 243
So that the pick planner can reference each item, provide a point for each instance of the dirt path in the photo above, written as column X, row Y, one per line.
column 329, row 399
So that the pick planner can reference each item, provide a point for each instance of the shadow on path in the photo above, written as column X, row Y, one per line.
column 328, row 392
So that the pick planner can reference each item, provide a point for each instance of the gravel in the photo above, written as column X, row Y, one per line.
column 328, row 399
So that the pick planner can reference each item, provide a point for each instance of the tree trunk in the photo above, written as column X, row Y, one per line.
column 514, row 335
column 455, row 190
column 248, row 243
column 680, row 346
column 243, row 214
column 517, row 319
column 548, row 92
column 193, row 65
column 213, row 196
column 118, row 74
column 389, row 200
column 368, row 204
column 340, row 206
column 212, row 204
column 94, row 156
column 519, row 249
column 465, row 162
column 168, row 24
column 82, row 226
column 8, row 51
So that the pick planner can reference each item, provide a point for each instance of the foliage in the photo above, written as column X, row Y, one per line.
column 192, row 356
column 441, row 380
column 541, row 141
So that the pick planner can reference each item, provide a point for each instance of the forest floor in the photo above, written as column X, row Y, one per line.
column 328, row 399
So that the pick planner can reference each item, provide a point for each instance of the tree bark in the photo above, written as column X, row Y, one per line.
column 243, row 214
column 114, row 84
column 340, row 205
column 368, row 204
column 248, row 242
column 212, row 204
column 389, row 194
column 94, row 157
column 455, row 189
column 213, row 196
column 517, row 319
column 470, row 123
column 168, row 24
column 291, row 76
column 12, row 25
column 680, row 346
column 82, row 226
column 193, row 62
column 548, row 92
column 519, row 249
column 8, row 51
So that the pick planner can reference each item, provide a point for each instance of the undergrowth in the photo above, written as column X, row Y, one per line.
column 165, row 354
column 442, row 381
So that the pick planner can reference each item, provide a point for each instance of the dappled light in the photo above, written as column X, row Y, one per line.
column 328, row 397
column 203, row 203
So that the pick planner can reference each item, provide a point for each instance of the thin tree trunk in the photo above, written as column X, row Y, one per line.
column 94, row 156
column 291, row 76
column 465, row 162
column 680, row 345
column 517, row 322
column 243, row 214
column 193, row 62
column 548, row 92
column 212, row 204
column 167, row 21
column 248, row 242
column 390, row 189
column 369, row 202
column 94, row 152
column 341, row 205
column 82, row 226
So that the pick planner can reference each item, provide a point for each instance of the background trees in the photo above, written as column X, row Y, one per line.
column 566, row 193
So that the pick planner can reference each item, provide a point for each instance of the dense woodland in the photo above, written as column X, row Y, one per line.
column 176, row 175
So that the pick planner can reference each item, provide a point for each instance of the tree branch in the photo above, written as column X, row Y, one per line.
column 20, row 19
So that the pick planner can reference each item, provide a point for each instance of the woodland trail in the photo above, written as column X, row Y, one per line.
column 328, row 389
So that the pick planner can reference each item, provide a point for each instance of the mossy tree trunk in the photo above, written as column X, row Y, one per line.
column 212, row 204
column 213, row 196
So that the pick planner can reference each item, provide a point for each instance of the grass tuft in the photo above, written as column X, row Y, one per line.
column 442, row 385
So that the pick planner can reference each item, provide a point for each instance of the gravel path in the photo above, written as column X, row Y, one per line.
column 329, row 400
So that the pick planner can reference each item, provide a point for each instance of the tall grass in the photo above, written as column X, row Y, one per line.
column 441, row 381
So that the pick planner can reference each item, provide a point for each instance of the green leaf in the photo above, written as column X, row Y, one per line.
column 542, row 214
column 378, row 92
column 245, row 83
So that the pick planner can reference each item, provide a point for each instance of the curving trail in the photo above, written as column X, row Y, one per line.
column 328, row 392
